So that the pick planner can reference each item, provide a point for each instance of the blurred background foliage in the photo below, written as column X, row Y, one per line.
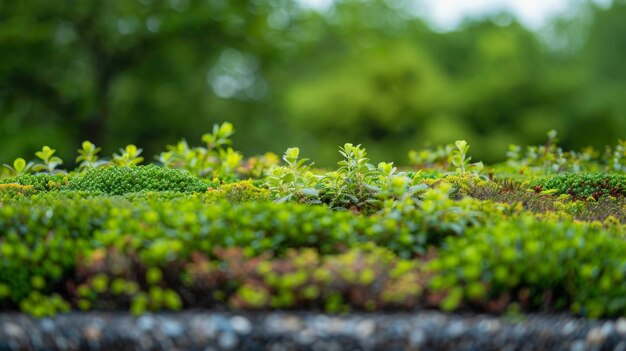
column 151, row 72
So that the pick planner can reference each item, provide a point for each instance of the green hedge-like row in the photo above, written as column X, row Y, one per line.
column 535, row 263
column 366, row 277
column 44, row 235
column 147, row 251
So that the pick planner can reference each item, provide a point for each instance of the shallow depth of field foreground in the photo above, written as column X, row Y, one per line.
column 541, row 234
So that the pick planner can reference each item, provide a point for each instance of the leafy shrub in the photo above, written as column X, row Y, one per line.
column 294, row 181
column 538, row 264
column 365, row 278
column 49, row 162
column 352, row 185
column 18, row 168
column 215, row 159
column 238, row 192
column 88, row 157
column 461, row 161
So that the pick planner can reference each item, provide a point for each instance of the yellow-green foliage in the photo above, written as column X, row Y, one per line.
column 238, row 192
column 13, row 189
column 465, row 184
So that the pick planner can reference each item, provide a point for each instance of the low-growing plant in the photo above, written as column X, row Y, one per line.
column 583, row 185
column 294, row 181
column 88, row 156
column 128, row 156
column 238, row 192
column 49, row 162
column 461, row 160
column 351, row 186
column 215, row 159
column 123, row 180
column 538, row 264
column 19, row 167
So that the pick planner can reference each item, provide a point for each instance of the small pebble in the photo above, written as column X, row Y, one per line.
column 595, row 336
column 241, row 325
column 92, row 333
column 306, row 336
column 146, row 322
column 291, row 323
column 227, row 340
column 172, row 329
column 620, row 326
column 489, row 326
column 365, row 328
column 455, row 329
column 417, row 338
column 13, row 330
column 47, row 324
column 578, row 345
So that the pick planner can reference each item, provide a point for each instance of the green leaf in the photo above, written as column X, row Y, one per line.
column 461, row 145
column 131, row 149
column 457, row 160
column 19, row 164
column 291, row 155
column 225, row 130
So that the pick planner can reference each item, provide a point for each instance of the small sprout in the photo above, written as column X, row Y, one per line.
column 128, row 156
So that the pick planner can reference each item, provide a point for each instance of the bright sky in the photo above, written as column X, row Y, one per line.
column 447, row 14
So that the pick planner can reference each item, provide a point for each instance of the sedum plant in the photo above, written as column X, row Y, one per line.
column 49, row 162
column 294, row 181
column 88, row 157
column 351, row 186
column 19, row 167
column 461, row 161
column 128, row 156
column 214, row 159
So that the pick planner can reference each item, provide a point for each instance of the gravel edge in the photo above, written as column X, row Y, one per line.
column 285, row 331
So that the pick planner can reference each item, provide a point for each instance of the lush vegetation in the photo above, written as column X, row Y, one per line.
column 204, row 228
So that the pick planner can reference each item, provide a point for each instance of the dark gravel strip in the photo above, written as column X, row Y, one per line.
column 283, row 331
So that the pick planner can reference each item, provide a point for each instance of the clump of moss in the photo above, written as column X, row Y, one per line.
column 583, row 185
column 13, row 189
column 124, row 180
column 39, row 181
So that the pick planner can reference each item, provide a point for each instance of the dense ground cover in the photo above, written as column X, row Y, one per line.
column 206, row 227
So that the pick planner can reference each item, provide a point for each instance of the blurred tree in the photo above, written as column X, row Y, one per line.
column 365, row 71
column 600, row 105
column 111, row 71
